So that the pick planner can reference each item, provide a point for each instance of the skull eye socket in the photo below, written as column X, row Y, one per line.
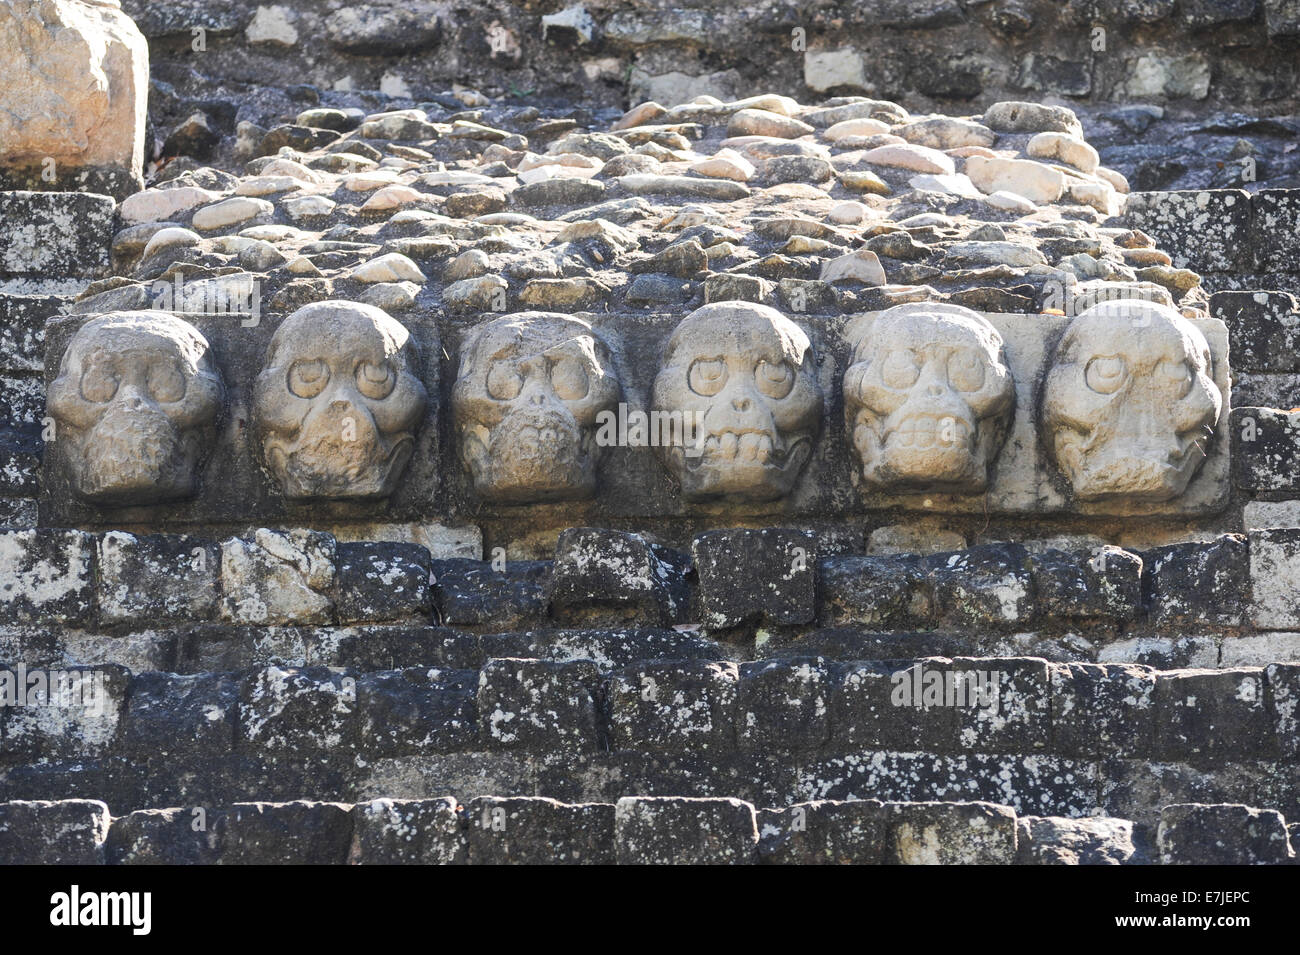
column 166, row 383
column 1105, row 374
column 504, row 381
column 774, row 380
column 966, row 371
column 98, row 384
column 308, row 378
column 1177, row 374
column 707, row 376
column 569, row 379
column 899, row 370
column 375, row 379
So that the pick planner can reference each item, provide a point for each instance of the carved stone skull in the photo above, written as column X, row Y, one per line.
column 136, row 400
column 525, row 403
column 1129, row 404
column 338, row 402
column 743, row 378
column 928, row 399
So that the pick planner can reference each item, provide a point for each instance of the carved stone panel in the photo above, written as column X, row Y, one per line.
column 525, row 404
column 338, row 401
column 743, row 379
column 1132, row 442
column 135, row 405
column 1130, row 404
column 928, row 399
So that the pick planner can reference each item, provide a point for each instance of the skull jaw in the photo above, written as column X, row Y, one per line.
column 320, row 471
column 1111, row 476
column 141, row 485
column 959, row 467
column 141, row 464
column 712, row 472
column 531, row 457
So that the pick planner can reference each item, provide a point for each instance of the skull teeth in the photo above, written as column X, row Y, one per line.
column 748, row 446
column 925, row 431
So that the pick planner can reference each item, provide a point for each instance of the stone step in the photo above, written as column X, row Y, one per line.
column 494, row 830
column 1067, row 739
column 55, row 235
column 193, row 603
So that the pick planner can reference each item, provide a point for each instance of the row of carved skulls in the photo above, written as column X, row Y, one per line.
column 1128, row 404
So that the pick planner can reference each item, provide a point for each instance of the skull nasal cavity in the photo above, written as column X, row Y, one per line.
column 741, row 403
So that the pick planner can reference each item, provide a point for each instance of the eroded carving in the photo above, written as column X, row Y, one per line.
column 1130, row 403
column 338, row 402
column 743, row 378
column 136, row 402
column 530, row 388
column 928, row 399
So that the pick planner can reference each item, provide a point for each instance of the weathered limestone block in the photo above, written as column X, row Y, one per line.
column 135, row 406
column 1130, row 403
column 741, row 377
column 1102, row 710
column 46, row 576
column 67, row 832
column 473, row 592
column 881, row 593
column 526, row 830
column 1200, row 582
column 784, row 706
column 22, row 329
column 1204, row 230
column 417, row 711
column 768, row 574
column 76, row 102
column 876, row 705
column 71, row 713
column 1103, row 584
column 171, row 717
column 1225, row 834
column 279, row 577
column 1213, row 714
column 824, row 832
column 299, row 709
column 408, row 832
column 381, row 580
column 669, row 830
column 1265, row 449
column 929, row 398
column 1263, row 329
column 291, row 833
column 1284, row 705
column 605, row 573
column 55, row 235
column 972, row 833
column 1275, row 230
column 673, row 706
column 527, row 401
column 1052, row 840
column 157, row 578
column 338, row 402
column 1275, row 590
column 987, row 585
column 163, row 837
column 536, row 705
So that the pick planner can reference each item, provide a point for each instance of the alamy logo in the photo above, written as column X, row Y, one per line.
column 658, row 429
column 76, row 908
column 63, row 689
column 921, row 687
